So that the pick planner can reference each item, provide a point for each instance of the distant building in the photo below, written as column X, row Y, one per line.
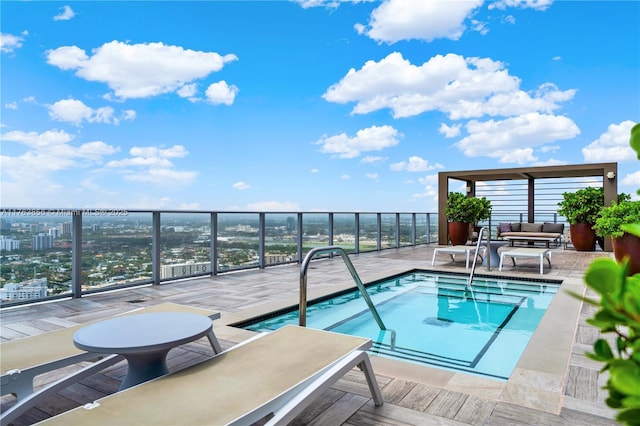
column 9, row 244
column 291, row 224
column 26, row 290
column 54, row 232
column 5, row 225
column 42, row 241
column 184, row 270
column 65, row 228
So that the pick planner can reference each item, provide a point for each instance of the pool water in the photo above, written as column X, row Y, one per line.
column 435, row 319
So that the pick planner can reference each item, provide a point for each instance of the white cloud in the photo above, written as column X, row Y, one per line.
column 271, row 206
column 162, row 176
column 221, row 93
column 429, row 180
column 396, row 20
column 187, row 91
column 632, row 179
column 374, row 138
column 152, row 164
column 26, row 177
column 241, row 185
column 10, row 42
column 66, row 14
column 11, row 105
column 75, row 112
column 372, row 176
column 452, row 84
column 522, row 4
column 139, row 70
column 373, row 159
column 415, row 164
column 345, row 177
column 449, row 131
column 314, row 171
column 511, row 140
column 613, row 145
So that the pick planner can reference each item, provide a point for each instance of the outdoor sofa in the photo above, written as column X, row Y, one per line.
column 531, row 232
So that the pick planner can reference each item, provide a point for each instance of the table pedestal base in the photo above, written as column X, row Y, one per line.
column 144, row 367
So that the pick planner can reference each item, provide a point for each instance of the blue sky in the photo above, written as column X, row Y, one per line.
column 306, row 105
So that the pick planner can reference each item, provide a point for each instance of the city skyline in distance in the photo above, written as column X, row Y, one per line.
column 305, row 106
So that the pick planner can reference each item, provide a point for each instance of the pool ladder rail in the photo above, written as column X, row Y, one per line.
column 475, row 256
column 303, row 283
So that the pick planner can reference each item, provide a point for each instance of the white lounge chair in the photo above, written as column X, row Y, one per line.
column 24, row 359
column 274, row 376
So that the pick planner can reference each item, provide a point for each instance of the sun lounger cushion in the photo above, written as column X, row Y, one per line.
column 221, row 390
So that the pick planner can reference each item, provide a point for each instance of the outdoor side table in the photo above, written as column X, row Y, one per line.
column 144, row 340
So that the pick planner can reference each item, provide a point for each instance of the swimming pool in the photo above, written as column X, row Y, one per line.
column 435, row 319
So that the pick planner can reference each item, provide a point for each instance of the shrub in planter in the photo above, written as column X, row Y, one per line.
column 463, row 211
column 581, row 209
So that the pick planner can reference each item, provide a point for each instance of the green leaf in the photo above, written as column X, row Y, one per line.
column 631, row 228
column 603, row 276
column 625, row 377
column 629, row 416
column 602, row 350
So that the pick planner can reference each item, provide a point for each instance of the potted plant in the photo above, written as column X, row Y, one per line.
column 581, row 209
column 462, row 212
column 609, row 224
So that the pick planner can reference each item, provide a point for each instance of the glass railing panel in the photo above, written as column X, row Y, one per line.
column 238, row 242
column 35, row 255
column 368, row 232
column 433, row 228
column 315, row 231
column 281, row 238
column 185, row 245
column 422, row 230
column 406, row 229
column 388, row 237
column 344, row 231
column 116, row 249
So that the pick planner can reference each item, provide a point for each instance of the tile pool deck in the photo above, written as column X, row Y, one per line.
column 553, row 383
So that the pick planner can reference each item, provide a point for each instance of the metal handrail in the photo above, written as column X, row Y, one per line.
column 352, row 270
column 475, row 257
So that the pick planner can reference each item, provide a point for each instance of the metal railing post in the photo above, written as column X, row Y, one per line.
column 76, row 254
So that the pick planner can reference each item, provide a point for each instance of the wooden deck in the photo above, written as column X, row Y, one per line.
column 413, row 395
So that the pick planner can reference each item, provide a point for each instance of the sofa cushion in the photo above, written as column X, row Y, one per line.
column 531, row 227
column 504, row 227
column 553, row 227
column 515, row 227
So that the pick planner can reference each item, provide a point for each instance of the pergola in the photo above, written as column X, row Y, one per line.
column 608, row 172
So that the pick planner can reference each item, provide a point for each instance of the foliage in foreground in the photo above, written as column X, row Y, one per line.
column 619, row 314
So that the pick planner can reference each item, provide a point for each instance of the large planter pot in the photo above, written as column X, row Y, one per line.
column 583, row 237
column 458, row 233
column 628, row 245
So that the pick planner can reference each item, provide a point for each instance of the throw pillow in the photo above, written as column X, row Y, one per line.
column 555, row 228
column 504, row 227
column 531, row 227
column 515, row 227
